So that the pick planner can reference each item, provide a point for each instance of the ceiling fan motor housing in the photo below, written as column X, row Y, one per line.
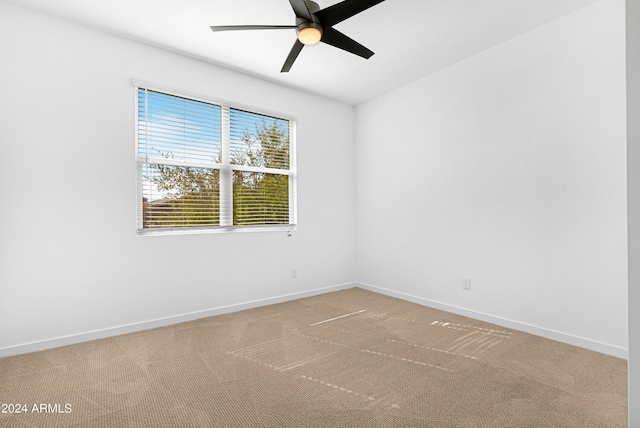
column 309, row 32
column 303, row 23
column 312, row 6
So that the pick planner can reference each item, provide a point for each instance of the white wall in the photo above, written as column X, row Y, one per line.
column 508, row 167
column 633, row 167
column 70, row 262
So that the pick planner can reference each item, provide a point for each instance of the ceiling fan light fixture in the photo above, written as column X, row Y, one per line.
column 309, row 35
column 314, row 25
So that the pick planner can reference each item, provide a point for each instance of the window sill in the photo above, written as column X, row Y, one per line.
column 289, row 228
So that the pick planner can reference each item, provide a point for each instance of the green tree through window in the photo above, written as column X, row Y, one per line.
column 182, row 160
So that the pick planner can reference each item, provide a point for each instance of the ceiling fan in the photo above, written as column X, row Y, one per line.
column 314, row 25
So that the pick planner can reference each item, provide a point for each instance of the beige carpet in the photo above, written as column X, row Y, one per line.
column 351, row 358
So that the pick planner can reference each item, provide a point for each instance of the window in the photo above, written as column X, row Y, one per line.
column 211, row 167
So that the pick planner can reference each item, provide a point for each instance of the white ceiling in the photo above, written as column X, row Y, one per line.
column 410, row 38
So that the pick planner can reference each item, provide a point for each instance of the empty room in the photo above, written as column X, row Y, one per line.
column 294, row 213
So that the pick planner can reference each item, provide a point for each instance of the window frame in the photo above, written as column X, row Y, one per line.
column 226, row 168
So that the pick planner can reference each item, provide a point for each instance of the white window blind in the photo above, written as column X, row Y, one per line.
column 209, row 166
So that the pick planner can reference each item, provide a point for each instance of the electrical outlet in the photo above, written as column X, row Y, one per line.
column 294, row 272
column 466, row 283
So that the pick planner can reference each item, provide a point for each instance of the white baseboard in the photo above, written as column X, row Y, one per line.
column 160, row 322
column 570, row 339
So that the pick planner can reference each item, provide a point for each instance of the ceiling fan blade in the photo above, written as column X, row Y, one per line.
column 293, row 54
column 249, row 27
column 301, row 9
column 333, row 37
column 332, row 15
